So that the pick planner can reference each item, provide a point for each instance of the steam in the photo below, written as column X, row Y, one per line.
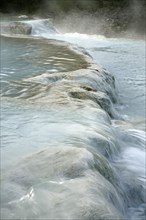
column 138, row 17
column 128, row 21
column 85, row 23
column 109, row 18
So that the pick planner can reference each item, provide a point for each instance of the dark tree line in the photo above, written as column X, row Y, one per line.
column 31, row 6
column 27, row 6
column 119, row 13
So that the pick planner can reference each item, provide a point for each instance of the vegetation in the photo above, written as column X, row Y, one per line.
column 31, row 6
column 119, row 13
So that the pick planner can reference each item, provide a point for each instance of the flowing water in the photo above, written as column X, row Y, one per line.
column 72, row 133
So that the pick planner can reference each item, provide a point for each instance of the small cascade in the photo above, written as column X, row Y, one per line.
column 31, row 27
column 42, row 26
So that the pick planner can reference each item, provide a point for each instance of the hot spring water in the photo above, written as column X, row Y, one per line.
column 72, row 137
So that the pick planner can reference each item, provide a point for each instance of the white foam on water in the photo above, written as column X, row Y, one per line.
column 134, row 160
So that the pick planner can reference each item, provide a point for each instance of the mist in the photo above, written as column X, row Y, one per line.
column 110, row 21
column 112, row 18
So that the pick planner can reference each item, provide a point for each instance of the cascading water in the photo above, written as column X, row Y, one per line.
column 72, row 146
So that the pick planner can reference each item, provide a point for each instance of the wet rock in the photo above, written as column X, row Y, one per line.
column 63, row 183
column 16, row 28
